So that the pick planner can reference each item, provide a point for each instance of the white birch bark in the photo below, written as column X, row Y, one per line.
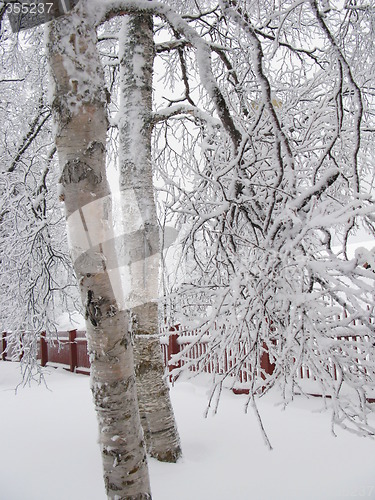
column 142, row 247
column 79, row 106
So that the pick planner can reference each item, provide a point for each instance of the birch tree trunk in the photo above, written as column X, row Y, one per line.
column 79, row 106
column 141, row 249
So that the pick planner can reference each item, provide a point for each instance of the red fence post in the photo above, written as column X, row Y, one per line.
column 4, row 346
column 73, row 350
column 43, row 349
column 265, row 364
column 173, row 347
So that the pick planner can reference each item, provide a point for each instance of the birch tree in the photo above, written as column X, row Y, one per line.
column 161, row 433
column 142, row 248
column 79, row 108
column 157, row 413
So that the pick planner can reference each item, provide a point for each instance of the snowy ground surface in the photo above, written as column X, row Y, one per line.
column 49, row 451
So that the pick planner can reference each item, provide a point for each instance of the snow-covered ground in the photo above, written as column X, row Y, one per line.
column 49, row 451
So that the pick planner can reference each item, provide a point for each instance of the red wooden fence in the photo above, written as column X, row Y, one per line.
column 70, row 350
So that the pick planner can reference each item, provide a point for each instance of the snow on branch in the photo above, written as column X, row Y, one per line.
column 114, row 8
column 185, row 109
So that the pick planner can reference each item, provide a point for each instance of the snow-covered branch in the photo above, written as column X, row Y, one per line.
column 187, row 110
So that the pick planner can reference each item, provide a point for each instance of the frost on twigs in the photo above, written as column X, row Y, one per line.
column 266, row 290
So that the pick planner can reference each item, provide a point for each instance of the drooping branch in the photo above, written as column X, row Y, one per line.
column 355, row 89
column 241, row 19
column 36, row 126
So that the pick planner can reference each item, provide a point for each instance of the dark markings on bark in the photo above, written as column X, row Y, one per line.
column 76, row 171
column 94, row 148
column 143, row 368
column 93, row 312
column 112, row 487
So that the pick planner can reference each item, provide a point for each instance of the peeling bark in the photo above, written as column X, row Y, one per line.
column 79, row 109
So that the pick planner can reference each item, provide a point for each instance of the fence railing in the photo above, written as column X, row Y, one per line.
column 70, row 350
column 196, row 352
column 195, row 347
